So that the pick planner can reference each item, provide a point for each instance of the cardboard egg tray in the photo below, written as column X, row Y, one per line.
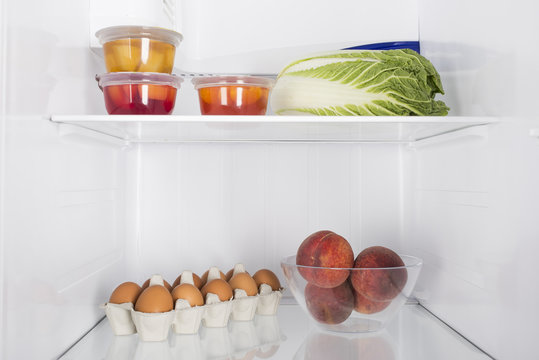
column 184, row 319
column 124, row 320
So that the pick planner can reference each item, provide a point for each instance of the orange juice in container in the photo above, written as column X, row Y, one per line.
column 233, row 95
column 139, row 48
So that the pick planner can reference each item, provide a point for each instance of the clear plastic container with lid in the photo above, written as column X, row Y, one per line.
column 233, row 95
column 139, row 93
column 139, row 48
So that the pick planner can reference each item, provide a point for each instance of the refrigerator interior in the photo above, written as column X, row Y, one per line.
column 83, row 211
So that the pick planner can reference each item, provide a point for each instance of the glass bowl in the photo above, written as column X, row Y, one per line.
column 139, row 48
column 375, row 297
column 233, row 95
column 134, row 93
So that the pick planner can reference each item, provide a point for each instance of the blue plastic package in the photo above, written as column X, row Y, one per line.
column 414, row 45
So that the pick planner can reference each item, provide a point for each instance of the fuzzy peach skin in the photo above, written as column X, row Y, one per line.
column 372, row 276
column 325, row 249
column 366, row 306
column 330, row 305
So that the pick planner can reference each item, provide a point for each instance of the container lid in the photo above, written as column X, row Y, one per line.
column 232, row 80
column 122, row 78
column 134, row 31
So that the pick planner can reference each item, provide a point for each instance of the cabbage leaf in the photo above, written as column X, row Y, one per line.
column 359, row 82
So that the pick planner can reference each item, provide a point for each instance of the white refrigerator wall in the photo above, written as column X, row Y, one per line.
column 485, row 52
column 239, row 36
column 63, row 217
column 473, row 201
column 472, row 215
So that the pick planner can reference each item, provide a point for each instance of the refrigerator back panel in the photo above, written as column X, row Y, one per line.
column 202, row 205
column 238, row 36
column 103, row 13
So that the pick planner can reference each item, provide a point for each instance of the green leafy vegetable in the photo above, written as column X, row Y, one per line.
column 359, row 82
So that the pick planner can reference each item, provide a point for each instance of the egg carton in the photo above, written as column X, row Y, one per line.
column 265, row 302
column 124, row 320
column 217, row 312
column 153, row 326
column 187, row 319
column 184, row 319
column 268, row 300
column 243, row 306
column 119, row 316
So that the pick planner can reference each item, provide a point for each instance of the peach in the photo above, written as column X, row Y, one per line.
column 374, row 279
column 366, row 306
column 329, row 305
column 325, row 249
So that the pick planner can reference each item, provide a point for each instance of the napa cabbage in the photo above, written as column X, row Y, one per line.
column 359, row 82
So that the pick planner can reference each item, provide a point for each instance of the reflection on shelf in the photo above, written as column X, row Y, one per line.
column 240, row 340
column 320, row 345
column 178, row 129
column 414, row 334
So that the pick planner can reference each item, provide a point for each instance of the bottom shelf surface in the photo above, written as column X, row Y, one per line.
column 414, row 334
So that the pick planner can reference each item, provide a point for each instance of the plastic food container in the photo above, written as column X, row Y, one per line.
column 347, row 309
column 233, row 95
column 139, row 48
column 139, row 93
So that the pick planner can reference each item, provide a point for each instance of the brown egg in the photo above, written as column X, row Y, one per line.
column 128, row 292
column 245, row 282
column 218, row 287
column 188, row 292
column 265, row 276
column 147, row 283
column 154, row 299
column 204, row 277
column 196, row 280
column 229, row 274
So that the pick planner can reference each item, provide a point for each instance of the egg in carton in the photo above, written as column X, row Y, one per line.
column 189, row 303
column 245, row 294
column 153, row 314
column 118, row 309
column 270, row 292
column 218, row 296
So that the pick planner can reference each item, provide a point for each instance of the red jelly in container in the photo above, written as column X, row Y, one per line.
column 139, row 93
column 233, row 95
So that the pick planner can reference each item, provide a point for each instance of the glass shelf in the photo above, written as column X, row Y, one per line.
column 414, row 335
column 178, row 129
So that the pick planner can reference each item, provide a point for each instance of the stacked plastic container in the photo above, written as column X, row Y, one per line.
column 139, row 62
